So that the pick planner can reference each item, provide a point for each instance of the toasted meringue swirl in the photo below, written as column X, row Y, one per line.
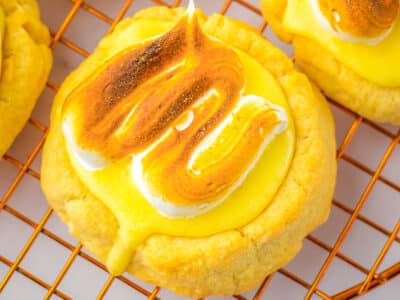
column 360, row 18
column 175, row 105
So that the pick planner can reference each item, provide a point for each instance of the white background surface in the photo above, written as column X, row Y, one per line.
column 84, row 280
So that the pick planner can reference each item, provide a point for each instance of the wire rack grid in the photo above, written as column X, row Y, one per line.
column 367, row 174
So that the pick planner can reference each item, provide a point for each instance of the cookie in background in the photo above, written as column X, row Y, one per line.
column 350, row 49
column 25, row 65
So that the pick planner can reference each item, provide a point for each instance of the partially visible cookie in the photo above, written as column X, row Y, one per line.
column 365, row 79
column 25, row 64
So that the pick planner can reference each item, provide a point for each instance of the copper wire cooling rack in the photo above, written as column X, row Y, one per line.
column 360, row 238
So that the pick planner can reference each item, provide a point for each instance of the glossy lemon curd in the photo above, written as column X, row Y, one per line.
column 378, row 63
column 138, row 219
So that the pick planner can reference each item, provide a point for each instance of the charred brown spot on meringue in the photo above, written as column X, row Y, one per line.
column 140, row 97
column 361, row 18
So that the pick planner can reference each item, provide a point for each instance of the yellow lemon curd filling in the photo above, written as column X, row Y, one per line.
column 379, row 63
column 179, row 121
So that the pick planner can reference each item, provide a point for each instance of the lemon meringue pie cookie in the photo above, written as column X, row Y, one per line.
column 349, row 48
column 25, row 65
column 188, row 151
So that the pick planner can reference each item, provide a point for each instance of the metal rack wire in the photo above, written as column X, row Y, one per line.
column 372, row 278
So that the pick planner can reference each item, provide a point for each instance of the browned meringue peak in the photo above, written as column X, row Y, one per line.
column 149, row 101
column 360, row 18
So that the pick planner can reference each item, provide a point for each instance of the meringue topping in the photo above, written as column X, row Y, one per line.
column 249, row 139
column 368, row 21
column 175, row 105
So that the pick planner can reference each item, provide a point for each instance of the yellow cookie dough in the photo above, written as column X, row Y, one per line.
column 227, row 262
column 341, row 75
column 25, row 64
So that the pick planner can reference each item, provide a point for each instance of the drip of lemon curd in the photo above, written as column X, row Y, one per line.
column 378, row 62
column 180, row 135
